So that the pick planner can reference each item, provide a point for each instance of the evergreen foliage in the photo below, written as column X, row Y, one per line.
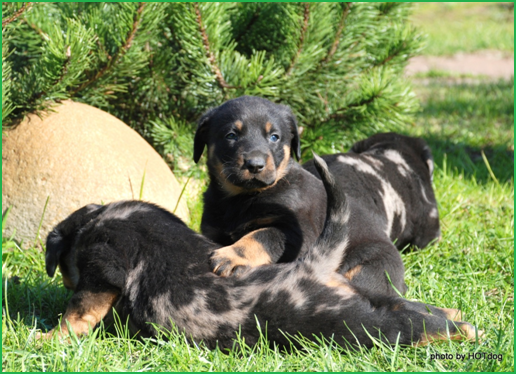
column 158, row 66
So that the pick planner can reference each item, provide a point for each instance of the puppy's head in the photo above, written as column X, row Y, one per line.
column 60, row 245
column 249, row 141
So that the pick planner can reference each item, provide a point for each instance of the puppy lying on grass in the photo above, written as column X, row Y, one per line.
column 149, row 266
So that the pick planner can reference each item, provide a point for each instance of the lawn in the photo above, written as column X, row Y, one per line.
column 470, row 128
column 465, row 27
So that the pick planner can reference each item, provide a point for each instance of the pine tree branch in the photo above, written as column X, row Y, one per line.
column 391, row 56
column 341, row 115
column 362, row 36
column 301, row 38
column 333, row 49
column 120, row 53
column 64, row 70
column 253, row 20
column 17, row 14
column 209, row 54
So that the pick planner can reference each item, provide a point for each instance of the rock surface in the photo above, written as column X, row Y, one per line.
column 78, row 155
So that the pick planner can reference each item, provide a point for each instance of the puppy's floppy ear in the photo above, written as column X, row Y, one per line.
column 56, row 246
column 61, row 238
column 200, row 139
column 366, row 144
column 295, row 144
column 360, row 146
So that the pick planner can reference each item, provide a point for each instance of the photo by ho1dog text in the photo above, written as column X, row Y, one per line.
column 263, row 207
column 146, row 264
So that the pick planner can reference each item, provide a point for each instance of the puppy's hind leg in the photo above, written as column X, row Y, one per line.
column 427, row 323
column 84, row 311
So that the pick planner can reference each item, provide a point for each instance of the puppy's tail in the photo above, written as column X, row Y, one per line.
column 331, row 245
column 61, row 239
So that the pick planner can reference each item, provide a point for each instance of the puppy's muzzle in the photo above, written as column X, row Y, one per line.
column 255, row 165
column 255, row 162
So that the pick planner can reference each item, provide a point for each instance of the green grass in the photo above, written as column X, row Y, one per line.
column 465, row 27
column 452, row 76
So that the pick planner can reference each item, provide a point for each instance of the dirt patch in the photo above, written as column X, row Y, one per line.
column 494, row 64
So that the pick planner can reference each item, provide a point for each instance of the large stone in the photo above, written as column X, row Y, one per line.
column 75, row 156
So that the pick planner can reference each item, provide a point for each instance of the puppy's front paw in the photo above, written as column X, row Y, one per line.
column 44, row 335
column 452, row 314
column 227, row 261
column 471, row 333
column 63, row 336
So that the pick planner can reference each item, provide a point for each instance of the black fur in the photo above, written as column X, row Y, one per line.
column 286, row 216
column 387, row 179
column 158, row 270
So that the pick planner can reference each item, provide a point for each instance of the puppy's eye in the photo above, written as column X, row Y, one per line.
column 274, row 138
column 231, row 136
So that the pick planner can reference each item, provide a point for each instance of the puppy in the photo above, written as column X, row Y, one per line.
column 275, row 213
column 146, row 264
column 387, row 179
column 256, row 204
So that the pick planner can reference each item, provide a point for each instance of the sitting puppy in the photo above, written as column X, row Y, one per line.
column 264, row 208
column 144, row 262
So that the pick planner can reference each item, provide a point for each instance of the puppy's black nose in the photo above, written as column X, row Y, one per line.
column 255, row 164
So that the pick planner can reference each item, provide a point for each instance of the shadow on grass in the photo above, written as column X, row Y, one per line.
column 468, row 160
column 464, row 121
column 484, row 99
column 35, row 300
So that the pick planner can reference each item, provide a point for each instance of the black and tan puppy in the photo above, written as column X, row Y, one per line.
column 144, row 262
column 274, row 213
column 260, row 203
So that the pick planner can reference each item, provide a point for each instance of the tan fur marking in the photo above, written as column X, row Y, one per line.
column 337, row 281
column 71, row 275
column 470, row 333
column 282, row 168
column 211, row 152
column 396, row 307
column 93, row 308
column 264, row 221
column 239, row 124
column 467, row 333
column 230, row 188
column 68, row 283
column 253, row 251
column 269, row 164
column 452, row 314
column 268, row 127
column 354, row 271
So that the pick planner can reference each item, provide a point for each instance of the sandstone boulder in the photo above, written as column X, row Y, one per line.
column 78, row 155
